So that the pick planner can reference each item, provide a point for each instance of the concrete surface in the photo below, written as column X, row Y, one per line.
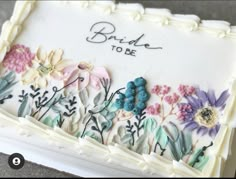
column 205, row 9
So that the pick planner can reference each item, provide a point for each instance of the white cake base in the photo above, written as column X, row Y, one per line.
column 38, row 150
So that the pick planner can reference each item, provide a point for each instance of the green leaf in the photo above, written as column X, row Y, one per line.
column 110, row 116
column 8, row 87
column 92, row 135
column 10, row 76
column 149, row 125
column 83, row 94
column 77, row 134
column 48, row 121
column 88, row 133
column 185, row 142
column 201, row 164
column 122, row 137
column 5, row 94
column 3, row 83
column 126, row 139
column 55, row 108
column 98, row 99
column 108, row 125
column 173, row 132
column 121, row 131
column 104, row 113
column 182, row 146
column 6, row 82
column 173, row 150
column 112, row 107
column 178, row 147
column 141, row 145
column 161, row 137
column 24, row 108
column 198, row 160
column 64, row 101
column 56, row 120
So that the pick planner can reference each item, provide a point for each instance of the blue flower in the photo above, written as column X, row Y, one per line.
column 140, row 82
column 202, row 112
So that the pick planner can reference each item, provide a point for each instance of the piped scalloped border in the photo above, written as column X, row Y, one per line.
column 115, row 153
column 161, row 16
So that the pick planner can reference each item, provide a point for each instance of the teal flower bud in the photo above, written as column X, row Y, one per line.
column 141, row 105
column 131, row 99
column 119, row 104
column 141, row 88
column 129, row 93
column 143, row 96
column 130, row 85
column 128, row 106
column 122, row 96
column 140, row 82
column 137, row 111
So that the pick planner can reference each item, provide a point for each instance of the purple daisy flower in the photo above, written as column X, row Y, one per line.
column 202, row 111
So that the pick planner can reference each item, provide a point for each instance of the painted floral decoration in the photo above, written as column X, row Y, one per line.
column 165, row 99
column 201, row 112
column 92, row 75
column 198, row 110
column 45, row 66
column 120, row 116
column 18, row 58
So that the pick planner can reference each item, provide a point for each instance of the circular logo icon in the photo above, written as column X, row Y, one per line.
column 16, row 161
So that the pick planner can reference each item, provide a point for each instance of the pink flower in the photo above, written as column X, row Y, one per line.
column 186, row 90
column 165, row 90
column 172, row 99
column 184, row 109
column 154, row 109
column 91, row 75
column 18, row 58
column 160, row 90
column 181, row 115
column 156, row 89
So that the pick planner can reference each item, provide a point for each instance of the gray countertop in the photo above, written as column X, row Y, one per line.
column 205, row 9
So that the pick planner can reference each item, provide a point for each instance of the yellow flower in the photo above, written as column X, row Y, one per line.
column 45, row 66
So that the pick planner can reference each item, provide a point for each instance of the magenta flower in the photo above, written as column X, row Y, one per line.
column 18, row 58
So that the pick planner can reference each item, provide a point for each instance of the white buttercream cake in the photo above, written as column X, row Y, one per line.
column 131, row 89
